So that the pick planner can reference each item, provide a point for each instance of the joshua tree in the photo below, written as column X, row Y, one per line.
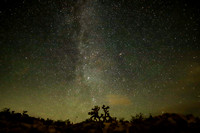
column 95, row 113
column 106, row 113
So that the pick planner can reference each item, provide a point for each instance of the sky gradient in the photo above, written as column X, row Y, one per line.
column 60, row 58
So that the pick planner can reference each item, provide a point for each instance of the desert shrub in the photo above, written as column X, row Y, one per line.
column 137, row 119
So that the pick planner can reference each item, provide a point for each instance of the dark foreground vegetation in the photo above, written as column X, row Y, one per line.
column 11, row 122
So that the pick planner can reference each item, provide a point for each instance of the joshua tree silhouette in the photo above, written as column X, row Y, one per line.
column 106, row 116
column 95, row 114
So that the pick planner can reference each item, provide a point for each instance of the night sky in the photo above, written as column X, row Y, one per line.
column 59, row 58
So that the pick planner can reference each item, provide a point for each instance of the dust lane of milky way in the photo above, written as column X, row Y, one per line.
column 60, row 58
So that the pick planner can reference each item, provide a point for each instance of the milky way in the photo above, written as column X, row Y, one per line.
column 61, row 58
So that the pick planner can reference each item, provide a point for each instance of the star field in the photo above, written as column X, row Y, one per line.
column 60, row 58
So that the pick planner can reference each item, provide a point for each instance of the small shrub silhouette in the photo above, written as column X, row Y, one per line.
column 6, row 110
column 25, row 112
column 138, row 118
column 68, row 122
